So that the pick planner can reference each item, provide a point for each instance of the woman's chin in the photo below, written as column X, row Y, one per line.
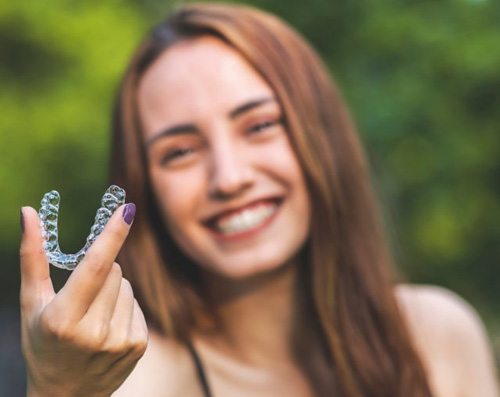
column 250, row 273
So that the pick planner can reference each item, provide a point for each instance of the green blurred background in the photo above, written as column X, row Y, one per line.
column 422, row 79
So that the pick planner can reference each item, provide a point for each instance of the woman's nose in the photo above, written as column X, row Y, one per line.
column 230, row 172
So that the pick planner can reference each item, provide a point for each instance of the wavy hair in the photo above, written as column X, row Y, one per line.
column 349, row 280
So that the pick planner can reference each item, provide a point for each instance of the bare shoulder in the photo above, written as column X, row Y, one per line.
column 437, row 306
column 451, row 339
column 165, row 370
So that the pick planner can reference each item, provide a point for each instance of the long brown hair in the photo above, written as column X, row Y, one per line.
column 346, row 257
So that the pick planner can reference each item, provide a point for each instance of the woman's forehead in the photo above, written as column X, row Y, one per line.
column 198, row 76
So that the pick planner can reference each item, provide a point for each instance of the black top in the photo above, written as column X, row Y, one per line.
column 200, row 371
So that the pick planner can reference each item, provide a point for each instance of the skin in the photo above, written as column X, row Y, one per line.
column 226, row 162
column 86, row 339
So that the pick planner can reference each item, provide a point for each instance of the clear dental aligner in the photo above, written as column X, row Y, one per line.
column 49, row 210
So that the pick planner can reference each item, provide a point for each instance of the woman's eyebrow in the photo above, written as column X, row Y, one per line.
column 249, row 106
column 180, row 129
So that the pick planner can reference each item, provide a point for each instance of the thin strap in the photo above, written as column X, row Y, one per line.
column 200, row 371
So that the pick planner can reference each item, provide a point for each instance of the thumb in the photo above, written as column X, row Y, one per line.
column 35, row 272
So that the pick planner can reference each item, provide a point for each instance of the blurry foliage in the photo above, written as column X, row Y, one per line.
column 422, row 79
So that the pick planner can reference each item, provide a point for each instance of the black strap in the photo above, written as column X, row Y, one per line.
column 200, row 371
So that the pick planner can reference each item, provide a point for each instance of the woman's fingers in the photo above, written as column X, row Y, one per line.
column 103, row 307
column 139, row 330
column 120, row 321
column 89, row 276
column 36, row 285
column 124, row 332
column 122, row 317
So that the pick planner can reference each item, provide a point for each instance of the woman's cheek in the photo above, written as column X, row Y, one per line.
column 178, row 192
column 280, row 156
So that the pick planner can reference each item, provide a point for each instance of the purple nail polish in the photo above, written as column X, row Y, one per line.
column 129, row 213
column 22, row 220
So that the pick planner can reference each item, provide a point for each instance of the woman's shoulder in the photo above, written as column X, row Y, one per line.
column 437, row 304
column 451, row 340
column 166, row 369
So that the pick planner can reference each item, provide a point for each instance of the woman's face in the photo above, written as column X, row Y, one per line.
column 225, row 176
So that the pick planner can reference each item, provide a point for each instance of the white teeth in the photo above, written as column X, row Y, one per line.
column 246, row 219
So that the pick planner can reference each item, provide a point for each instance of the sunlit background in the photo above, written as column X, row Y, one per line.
column 422, row 79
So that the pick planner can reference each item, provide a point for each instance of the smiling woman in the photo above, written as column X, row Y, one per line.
column 257, row 254
column 229, row 213
column 222, row 170
column 260, row 241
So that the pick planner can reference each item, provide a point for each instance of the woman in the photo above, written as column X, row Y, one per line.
column 257, row 254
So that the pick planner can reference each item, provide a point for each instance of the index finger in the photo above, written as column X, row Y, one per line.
column 89, row 276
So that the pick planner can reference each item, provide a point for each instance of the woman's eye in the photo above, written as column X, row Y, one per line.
column 175, row 154
column 259, row 127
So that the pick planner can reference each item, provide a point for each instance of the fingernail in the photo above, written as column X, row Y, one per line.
column 129, row 213
column 22, row 220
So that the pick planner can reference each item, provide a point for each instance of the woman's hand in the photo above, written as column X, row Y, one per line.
column 86, row 339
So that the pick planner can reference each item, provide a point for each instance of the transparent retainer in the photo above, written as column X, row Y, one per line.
column 49, row 211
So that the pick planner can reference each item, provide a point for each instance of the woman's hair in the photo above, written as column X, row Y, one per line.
column 347, row 263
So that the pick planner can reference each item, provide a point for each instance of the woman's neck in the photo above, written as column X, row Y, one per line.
column 256, row 316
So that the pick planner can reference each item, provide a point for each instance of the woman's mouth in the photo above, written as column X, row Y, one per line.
column 245, row 222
